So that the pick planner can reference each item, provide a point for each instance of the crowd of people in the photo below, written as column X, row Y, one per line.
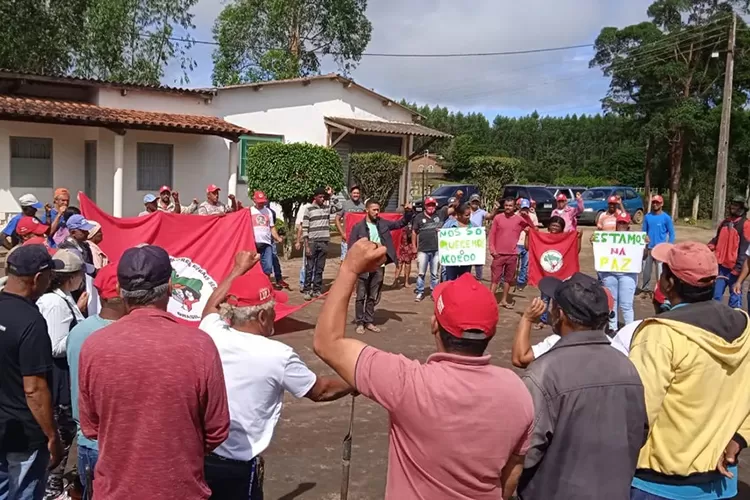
column 653, row 410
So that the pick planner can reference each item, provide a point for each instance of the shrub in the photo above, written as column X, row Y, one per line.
column 290, row 173
column 377, row 174
column 492, row 173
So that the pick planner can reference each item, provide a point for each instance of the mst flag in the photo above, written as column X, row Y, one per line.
column 202, row 250
column 552, row 255
column 353, row 218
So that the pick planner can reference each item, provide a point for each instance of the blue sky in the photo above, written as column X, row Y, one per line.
column 554, row 83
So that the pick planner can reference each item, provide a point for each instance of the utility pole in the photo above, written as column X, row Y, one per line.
column 720, row 184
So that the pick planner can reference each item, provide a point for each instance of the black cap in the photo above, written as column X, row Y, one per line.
column 320, row 190
column 28, row 260
column 581, row 297
column 739, row 200
column 143, row 268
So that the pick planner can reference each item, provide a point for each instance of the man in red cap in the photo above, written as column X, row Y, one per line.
column 169, row 201
column 659, row 228
column 446, row 441
column 425, row 227
column 607, row 221
column 265, row 233
column 694, row 365
column 239, row 317
column 590, row 413
column 214, row 206
column 28, row 227
column 111, row 309
column 568, row 213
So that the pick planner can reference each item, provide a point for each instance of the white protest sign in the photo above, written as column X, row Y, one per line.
column 618, row 251
column 462, row 246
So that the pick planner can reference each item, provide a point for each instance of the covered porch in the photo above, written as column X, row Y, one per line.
column 349, row 135
column 114, row 155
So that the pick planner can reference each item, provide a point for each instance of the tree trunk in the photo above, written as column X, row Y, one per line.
column 647, row 168
column 676, row 150
column 696, row 204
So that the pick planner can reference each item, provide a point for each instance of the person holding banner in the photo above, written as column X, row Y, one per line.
column 568, row 213
column 462, row 218
column 504, row 233
column 523, row 254
column 354, row 205
column 378, row 230
column 426, row 228
column 607, row 221
column 622, row 286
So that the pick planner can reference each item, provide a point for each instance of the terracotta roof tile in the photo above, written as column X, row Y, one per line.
column 80, row 113
column 387, row 127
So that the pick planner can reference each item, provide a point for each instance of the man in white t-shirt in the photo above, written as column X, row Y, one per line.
column 239, row 316
column 265, row 232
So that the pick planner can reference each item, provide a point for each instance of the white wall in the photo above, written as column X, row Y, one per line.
column 67, row 158
column 296, row 111
column 145, row 100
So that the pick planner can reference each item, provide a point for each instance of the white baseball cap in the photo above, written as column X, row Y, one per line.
column 29, row 200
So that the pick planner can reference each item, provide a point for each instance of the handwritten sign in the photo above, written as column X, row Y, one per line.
column 462, row 246
column 618, row 251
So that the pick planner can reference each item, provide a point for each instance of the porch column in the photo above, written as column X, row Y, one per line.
column 403, row 192
column 117, row 185
column 233, row 162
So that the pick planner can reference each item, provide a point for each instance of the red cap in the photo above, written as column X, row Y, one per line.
column 259, row 197
column 430, row 201
column 657, row 198
column 212, row 188
column 612, row 199
column 165, row 188
column 465, row 304
column 622, row 217
column 106, row 282
column 253, row 289
column 562, row 197
column 691, row 262
column 30, row 225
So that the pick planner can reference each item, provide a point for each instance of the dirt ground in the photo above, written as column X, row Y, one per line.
column 304, row 459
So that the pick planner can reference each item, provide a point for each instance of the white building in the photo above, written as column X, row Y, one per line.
column 116, row 142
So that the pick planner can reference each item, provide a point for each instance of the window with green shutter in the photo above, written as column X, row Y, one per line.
column 247, row 141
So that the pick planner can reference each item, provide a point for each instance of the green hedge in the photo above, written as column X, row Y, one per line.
column 377, row 174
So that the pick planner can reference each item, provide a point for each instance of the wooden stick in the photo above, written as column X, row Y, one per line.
column 346, row 456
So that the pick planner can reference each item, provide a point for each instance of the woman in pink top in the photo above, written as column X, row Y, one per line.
column 608, row 220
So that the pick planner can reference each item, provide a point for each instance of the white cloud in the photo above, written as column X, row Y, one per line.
column 552, row 82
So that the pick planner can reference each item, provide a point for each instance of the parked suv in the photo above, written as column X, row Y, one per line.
column 595, row 203
column 444, row 193
column 544, row 198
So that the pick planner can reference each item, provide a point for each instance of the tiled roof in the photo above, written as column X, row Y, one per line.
column 384, row 127
column 96, row 82
column 80, row 113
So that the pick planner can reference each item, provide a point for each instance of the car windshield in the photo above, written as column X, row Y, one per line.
column 595, row 194
column 444, row 191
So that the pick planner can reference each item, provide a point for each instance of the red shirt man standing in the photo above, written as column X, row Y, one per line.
column 151, row 391
column 504, row 233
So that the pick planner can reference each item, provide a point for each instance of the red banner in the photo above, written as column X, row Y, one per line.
column 552, row 255
column 352, row 218
column 202, row 249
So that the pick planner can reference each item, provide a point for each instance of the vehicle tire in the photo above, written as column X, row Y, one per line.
column 638, row 217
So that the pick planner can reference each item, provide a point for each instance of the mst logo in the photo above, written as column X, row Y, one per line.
column 191, row 287
column 551, row 261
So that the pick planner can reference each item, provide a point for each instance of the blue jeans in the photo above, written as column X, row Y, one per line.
column 424, row 260
column 636, row 494
column 276, row 264
column 266, row 258
column 344, row 248
column 23, row 475
column 479, row 272
column 727, row 280
column 87, row 458
column 302, row 271
column 523, row 269
column 622, row 287
column 453, row 272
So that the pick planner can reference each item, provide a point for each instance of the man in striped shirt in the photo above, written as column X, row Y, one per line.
column 316, row 233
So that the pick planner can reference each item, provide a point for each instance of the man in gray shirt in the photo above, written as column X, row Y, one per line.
column 353, row 204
